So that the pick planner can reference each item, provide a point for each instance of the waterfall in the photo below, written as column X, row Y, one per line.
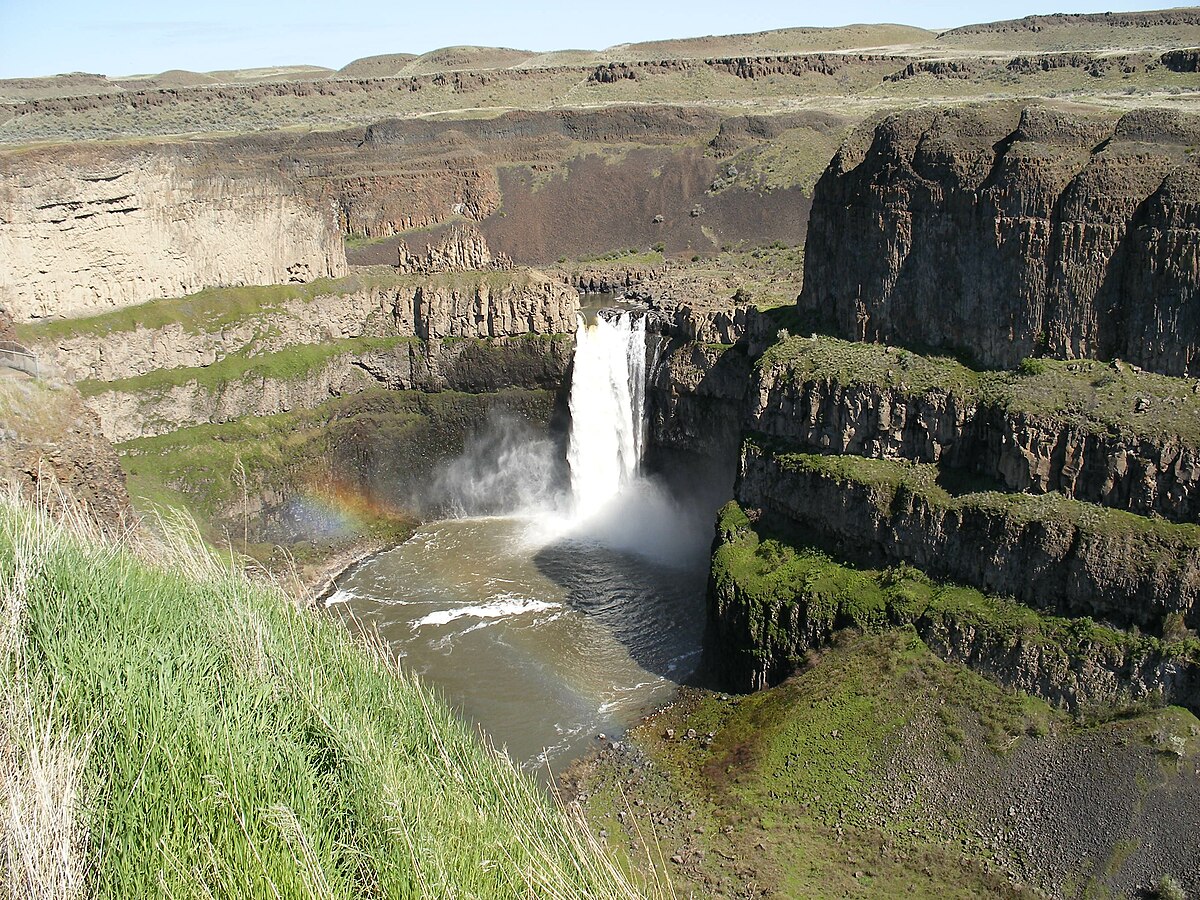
column 608, row 395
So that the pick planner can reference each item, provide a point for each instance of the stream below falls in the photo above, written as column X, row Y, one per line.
column 580, row 606
column 543, row 645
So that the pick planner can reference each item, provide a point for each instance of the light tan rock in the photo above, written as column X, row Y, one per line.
column 81, row 234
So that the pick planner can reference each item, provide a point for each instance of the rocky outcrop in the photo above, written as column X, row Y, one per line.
column 747, row 67
column 1050, row 553
column 477, row 306
column 974, row 433
column 141, row 408
column 1182, row 60
column 463, row 249
column 102, row 355
column 1112, row 675
column 694, row 399
column 758, row 635
column 1003, row 234
column 52, row 450
column 467, row 306
column 1168, row 18
column 939, row 68
column 84, row 233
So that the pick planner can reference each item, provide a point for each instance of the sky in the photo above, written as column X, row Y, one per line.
column 127, row 37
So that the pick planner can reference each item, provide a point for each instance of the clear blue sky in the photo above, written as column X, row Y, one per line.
column 125, row 37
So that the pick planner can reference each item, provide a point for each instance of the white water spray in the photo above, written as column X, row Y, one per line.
column 608, row 395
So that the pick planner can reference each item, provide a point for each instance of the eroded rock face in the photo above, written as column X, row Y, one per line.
column 463, row 249
column 1019, row 451
column 1003, row 233
column 479, row 333
column 85, row 233
column 125, row 415
column 474, row 308
column 756, row 642
column 52, row 450
column 1121, row 573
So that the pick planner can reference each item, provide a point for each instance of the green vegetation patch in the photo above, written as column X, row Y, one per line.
column 296, row 362
column 795, row 158
column 890, row 480
column 766, row 573
column 804, row 790
column 200, row 736
column 1094, row 396
column 210, row 469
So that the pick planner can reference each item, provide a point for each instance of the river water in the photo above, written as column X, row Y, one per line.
column 578, row 612
column 544, row 645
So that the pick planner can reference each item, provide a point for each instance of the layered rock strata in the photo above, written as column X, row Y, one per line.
column 1047, row 552
column 974, row 422
column 276, row 383
column 1003, row 234
column 454, row 306
column 761, row 627
column 462, row 249
column 83, row 233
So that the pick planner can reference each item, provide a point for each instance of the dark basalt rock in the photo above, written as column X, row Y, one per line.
column 1002, row 233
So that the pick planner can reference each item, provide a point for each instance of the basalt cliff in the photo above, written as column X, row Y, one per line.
column 87, row 231
column 1004, row 233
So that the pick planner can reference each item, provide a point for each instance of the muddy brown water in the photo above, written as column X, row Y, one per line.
column 544, row 643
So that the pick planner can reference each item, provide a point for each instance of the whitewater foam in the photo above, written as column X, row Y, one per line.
column 503, row 608
column 340, row 596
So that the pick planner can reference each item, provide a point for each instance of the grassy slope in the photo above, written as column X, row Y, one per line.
column 238, row 747
column 1094, row 396
column 790, row 792
column 768, row 572
column 821, row 787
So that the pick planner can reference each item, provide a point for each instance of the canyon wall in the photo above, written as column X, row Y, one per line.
column 1047, row 552
column 974, row 423
column 458, row 305
column 768, row 608
column 83, row 232
column 1005, row 233
column 142, row 408
column 458, row 331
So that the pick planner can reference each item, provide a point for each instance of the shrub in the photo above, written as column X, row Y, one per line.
column 1031, row 366
column 1175, row 627
column 1169, row 888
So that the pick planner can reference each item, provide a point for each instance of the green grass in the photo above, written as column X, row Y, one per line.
column 795, row 158
column 353, row 241
column 203, row 467
column 890, row 480
column 296, row 362
column 766, row 575
column 797, row 790
column 1097, row 397
column 625, row 257
column 225, row 743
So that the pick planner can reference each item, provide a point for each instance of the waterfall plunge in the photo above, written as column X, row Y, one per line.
column 608, row 393
column 507, row 470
